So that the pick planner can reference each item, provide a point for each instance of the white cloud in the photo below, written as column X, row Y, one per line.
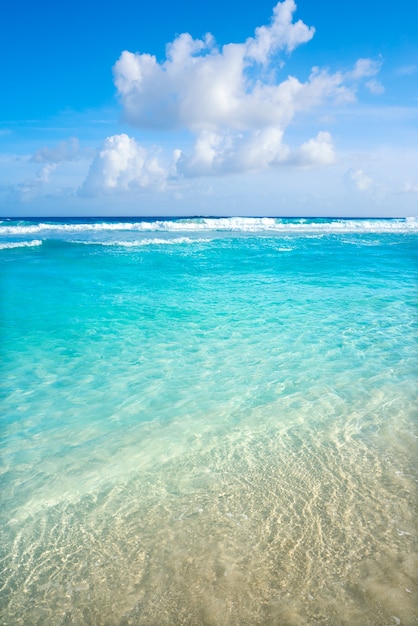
column 281, row 35
column 217, row 154
column 201, row 87
column 375, row 87
column 318, row 151
column 360, row 180
column 364, row 68
column 44, row 174
column 122, row 164
column 229, row 98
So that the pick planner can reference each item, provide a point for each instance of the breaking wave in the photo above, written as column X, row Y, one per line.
column 20, row 244
column 231, row 224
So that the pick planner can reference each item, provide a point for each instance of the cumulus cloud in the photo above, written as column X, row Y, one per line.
column 282, row 34
column 231, row 100
column 218, row 154
column 202, row 87
column 122, row 164
column 318, row 151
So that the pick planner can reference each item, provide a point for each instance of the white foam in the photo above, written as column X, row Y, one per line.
column 226, row 224
column 20, row 244
column 144, row 242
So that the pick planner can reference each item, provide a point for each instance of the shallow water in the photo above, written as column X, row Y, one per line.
column 209, row 424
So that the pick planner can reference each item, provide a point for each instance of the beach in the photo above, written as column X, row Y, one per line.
column 209, row 421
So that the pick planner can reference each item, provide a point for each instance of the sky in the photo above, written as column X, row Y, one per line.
column 300, row 108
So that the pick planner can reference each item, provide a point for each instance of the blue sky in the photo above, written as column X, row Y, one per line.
column 295, row 108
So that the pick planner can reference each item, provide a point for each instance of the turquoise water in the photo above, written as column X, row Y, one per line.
column 209, row 421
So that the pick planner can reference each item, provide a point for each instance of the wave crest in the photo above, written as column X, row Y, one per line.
column 8, row 245
column 225, row 224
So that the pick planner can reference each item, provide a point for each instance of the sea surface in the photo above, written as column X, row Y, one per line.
column 209, row 421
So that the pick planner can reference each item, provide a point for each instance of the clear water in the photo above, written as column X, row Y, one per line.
column 209, row 422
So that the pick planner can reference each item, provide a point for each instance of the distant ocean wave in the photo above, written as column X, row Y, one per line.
column 225, row 224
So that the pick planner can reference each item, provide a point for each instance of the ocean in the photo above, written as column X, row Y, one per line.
column 209, row 421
